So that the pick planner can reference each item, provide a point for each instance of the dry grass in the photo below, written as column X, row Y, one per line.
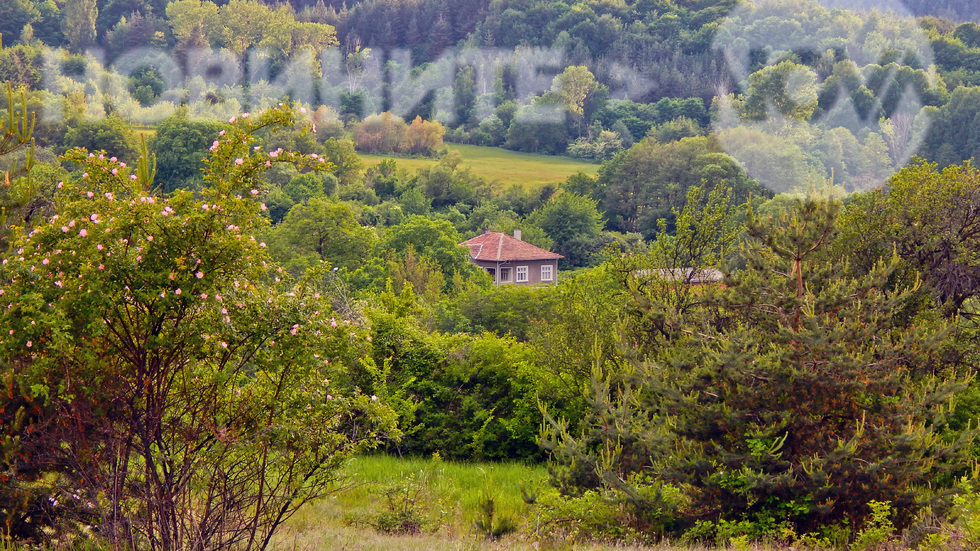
column 346, row 538
column 351, row 539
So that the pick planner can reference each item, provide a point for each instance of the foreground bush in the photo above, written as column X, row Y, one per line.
column 167, row 386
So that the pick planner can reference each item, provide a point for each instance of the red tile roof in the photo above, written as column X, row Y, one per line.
column 500, row 247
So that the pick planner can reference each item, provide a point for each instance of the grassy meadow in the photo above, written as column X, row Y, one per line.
column 444, row 497
column 505, row 167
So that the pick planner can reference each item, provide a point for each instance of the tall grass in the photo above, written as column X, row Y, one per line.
column 447, row 497
column 450, row 502
column 450, row 494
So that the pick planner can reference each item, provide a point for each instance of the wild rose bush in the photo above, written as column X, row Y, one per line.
column 174, row 387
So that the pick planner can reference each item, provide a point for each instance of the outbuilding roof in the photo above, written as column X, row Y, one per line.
column 500, row 247
column 685, row 275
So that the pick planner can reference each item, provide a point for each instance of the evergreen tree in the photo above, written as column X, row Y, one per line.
column 791, row 397
column 464, row 95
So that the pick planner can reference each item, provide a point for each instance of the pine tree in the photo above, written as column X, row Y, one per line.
column 792, row 395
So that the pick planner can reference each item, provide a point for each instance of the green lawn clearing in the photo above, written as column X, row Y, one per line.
column 503, row 166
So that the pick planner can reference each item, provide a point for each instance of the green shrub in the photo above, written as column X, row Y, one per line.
column 611, row 514
column 878, row 529
column 404, row 511
column 960, row 530
column 473, row 396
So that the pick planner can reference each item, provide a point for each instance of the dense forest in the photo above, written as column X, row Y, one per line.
column 213, row 291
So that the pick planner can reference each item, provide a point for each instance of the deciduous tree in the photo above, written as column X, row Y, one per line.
column 111, row 134
column 573, row 223
column 436, row 240
column 382, row 133
column 423, row 137
column 180, row 391
column 78, row 23
column 180, row 145
column 930, row 217
column 323, row 229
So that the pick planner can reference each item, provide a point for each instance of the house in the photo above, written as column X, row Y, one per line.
column 509, row 260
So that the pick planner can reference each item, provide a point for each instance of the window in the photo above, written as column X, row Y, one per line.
column 547, row 273
column 522, row 274
column 505, row 275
